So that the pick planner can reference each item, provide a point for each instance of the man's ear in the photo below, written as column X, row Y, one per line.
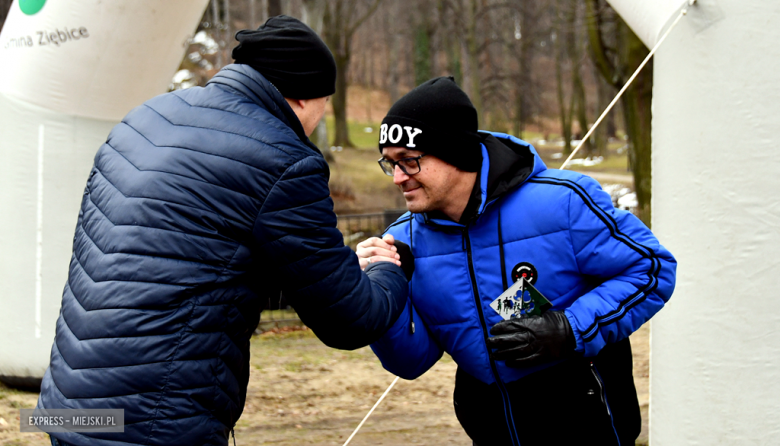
column 296, row 104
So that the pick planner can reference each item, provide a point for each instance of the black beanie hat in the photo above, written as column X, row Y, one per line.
column 436, row 118
column 291, row 56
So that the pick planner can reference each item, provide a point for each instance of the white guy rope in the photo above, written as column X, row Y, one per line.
column 625, row 87
column 371, row 411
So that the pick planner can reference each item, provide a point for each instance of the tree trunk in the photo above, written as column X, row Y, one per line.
column 601, row 134
column 637, row 102
column 263, row 11
column 422, row 53
column 422, row 43
column 578, row 92
column 228, row 32
column 518, row 124
column 217, row 27
column 334, row 27
column 523, row 79
column 252, row 19
column 393, row 75
column 340, row 24
column 274, row 8
column 451, row 42
column 562, row 112
column 559, row 48
column 472, row 48
column 313, row 14
column 578, row 85
column 339, row 101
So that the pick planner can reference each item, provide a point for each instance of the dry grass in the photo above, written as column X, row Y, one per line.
column 304, row 393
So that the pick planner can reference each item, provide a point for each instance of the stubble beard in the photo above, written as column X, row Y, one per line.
column 415, row 208
column 417, row 205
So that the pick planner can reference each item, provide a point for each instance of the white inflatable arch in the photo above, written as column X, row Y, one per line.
column 715, row 349
column 69, row 71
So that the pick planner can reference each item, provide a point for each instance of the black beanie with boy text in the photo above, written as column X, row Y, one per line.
column 436, row 118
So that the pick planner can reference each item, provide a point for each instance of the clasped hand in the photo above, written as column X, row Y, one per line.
column 386, row 249
column 377, row 249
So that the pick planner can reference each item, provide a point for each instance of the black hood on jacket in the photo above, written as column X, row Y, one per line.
column 510, row 165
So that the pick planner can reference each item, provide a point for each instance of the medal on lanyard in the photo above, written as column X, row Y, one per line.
column 521, row 299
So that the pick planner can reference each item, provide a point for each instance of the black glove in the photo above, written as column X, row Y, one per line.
column 407, row 259
column 529, row 341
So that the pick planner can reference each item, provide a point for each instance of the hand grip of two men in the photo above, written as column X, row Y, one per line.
column 386, row 249
column 521, row 342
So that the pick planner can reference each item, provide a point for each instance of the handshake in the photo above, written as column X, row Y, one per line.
column 520, row 342
column 386, row 249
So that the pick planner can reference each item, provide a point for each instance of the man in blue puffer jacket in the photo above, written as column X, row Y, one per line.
column 202, row 205
column 486, row 212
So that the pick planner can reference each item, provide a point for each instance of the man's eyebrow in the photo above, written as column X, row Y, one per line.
column 400, row 155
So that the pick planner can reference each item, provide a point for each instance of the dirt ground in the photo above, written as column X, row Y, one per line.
column 303, row 393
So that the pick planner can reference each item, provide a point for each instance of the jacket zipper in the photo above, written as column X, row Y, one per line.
column 601, row 388
column 483, row 325
column 603, row 395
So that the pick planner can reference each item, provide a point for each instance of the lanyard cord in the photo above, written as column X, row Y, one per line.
column 504, row 279
column 411, row 306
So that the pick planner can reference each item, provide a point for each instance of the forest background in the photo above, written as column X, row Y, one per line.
column 542, row 70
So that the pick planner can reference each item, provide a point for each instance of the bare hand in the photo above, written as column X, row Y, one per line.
column 376, row 249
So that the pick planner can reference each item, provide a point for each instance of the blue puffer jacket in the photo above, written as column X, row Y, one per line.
column 599, row 265
column 201, row 206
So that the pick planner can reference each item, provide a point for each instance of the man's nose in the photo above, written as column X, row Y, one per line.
column 399, row 176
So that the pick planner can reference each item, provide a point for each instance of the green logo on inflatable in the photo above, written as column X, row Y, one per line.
column 31, row 7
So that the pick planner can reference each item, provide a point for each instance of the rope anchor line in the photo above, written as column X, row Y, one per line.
column 371, row 411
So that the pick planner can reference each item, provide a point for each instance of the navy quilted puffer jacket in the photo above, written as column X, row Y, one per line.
column 202, row 204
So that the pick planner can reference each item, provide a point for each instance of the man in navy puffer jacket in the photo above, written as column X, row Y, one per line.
column 201, row 205
column 485, row 213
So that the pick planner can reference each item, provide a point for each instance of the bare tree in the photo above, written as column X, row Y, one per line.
column 501, row 52
column 252, row 16
column 274, row 8
column 313, row 12
column 424, row 29
column 616, row 64
column 390, row 18
column 575, row 52
column 523, row 46
column 467, row 16
column 450, row 39
column 228, row 30
column 216, row 23
column 340, row 21
column 472, row 50
column 561, row 37
column 604, row 94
